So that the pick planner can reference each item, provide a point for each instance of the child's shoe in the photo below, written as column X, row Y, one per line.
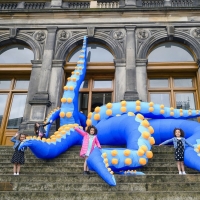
column 88, row 172
column 85, row 173
column 15, row 174
column 180, row 173
column 184, row 173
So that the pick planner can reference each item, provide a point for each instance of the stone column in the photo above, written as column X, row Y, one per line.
column 131, row 87
column 47, row 60
column 141, row 74
column 120, row 79
column 56, row 83
column 40, row 100
column 33, row 87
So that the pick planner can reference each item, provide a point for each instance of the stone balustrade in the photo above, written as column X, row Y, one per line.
column 101, row 4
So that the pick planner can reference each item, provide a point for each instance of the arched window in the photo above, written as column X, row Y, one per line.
column 170, row 52
column 172, row 79
column 15, row 68
column 98, row 86
column 95, row 53
column 16, row 54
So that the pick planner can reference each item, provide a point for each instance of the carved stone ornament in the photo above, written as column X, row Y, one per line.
column 118, row 35
column 40, row 35
column 196, row 33
column 143, row 34
column 63, row 35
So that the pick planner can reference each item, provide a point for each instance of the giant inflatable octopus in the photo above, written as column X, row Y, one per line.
column 118, row 124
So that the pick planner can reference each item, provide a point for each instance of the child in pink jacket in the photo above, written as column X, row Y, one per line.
column 90, row 141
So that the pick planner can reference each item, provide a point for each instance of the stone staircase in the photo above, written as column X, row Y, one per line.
column 62, row 178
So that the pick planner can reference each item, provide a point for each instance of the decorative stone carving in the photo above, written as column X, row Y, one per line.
column 118, row 35
column 196, row 33
column 64, row 35
column 40, row 35
column 143, row 34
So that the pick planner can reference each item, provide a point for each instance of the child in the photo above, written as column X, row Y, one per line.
column 89, row 142
column 18, row 156
column 39, row 129
column 179, row 145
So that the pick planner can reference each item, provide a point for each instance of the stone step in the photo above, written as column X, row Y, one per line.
column 76, row 156
column 79, row 159
column 95, row 195
column 155, row 149
column 79, row 163
column 103, row 187
column 79, row 169
column 94, row 178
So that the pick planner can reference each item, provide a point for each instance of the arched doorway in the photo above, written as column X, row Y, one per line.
column 172, row 76
column 15, row 68
column 98, row 86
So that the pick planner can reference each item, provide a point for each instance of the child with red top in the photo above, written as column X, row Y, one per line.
column 90, row 141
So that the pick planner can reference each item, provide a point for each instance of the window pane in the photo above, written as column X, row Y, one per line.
column 16, row 54
column 5, row 84
column 160, row 98
column 183, row 82
column 84, row 84
column 185, row 101
column 22, row 84
column 83, row 102
column 99, row 99
column 158, row 83
column 3, row 99
column 103, row 84
column 17, row 111
column 170, row 51
column 95, row 53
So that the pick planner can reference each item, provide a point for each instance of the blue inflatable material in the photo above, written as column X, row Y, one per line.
column 121, row 123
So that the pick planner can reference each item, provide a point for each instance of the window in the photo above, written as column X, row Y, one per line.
column 16, row 54
column 178, row 92
column 95, row 53
column 172, row 76
column 98, row 86
column 170, row 52
column 13, row 93
column 15, row 69
column 97, row 93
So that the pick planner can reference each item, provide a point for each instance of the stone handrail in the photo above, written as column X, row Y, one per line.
column 8, row 6
column 112, row 4
column 153, row 3
column 37, row 5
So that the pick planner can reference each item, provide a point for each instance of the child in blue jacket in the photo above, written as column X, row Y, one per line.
column 179, row 144
column 18, row 155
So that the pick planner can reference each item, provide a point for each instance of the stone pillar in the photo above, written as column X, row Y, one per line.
column 47, row 60
column 131, row 87
column 56, row 3
column 120, row 79
column 40, row 100
column 141, row 75
column 56, row 83
column 33, row 87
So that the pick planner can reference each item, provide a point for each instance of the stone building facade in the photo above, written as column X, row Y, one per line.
column 129, row 29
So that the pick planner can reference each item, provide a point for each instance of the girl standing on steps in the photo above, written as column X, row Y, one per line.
column 18, row 156
column 179, row 145
column 89, row 142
